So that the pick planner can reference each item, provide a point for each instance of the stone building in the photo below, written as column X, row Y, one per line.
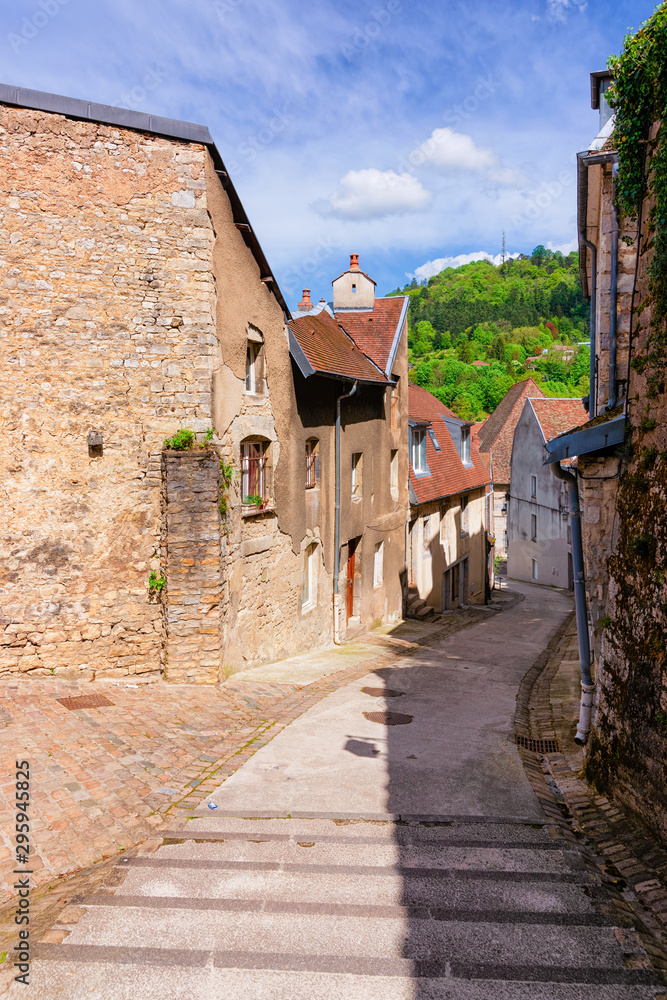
column 449, row 551
column 494, row 441
column 622, row 484
column 136, row 303
column 538, row 530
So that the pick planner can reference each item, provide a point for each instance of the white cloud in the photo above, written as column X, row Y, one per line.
column 564, row 248
column 374, row 194
column 451, row 152
column 559, row 10
column 432, row 267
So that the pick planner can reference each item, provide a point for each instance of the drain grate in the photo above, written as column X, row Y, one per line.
column 382, row 692
column 85, row 701
column 388, row 718
column 538, row 746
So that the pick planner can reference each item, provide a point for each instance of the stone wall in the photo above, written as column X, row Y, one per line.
column 192, row 566
column 625, row 536
column 106, row 326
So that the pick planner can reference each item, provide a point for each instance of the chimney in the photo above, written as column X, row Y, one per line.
column 354, row 262
column 305, row 305
column 600, row 84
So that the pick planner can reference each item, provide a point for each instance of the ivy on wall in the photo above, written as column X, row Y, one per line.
column 639, row 98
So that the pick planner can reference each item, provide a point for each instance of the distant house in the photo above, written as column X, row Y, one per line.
column 481, row 364
column 564, row 352
column 352, row 355
column 495, row 445
column 539, row 535
column 449, row 510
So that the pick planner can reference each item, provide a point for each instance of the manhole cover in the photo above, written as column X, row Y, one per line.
column 388, row 718
column 85, row 701
column 382, row 692
column 538, row 746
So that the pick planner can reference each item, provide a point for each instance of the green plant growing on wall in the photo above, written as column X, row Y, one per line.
column 253, row 500
column 181, row 441
column 226, row 477
column 156, row 583
column 604, row 621
column 208, row 437
column 661, row 720
column 638, row 96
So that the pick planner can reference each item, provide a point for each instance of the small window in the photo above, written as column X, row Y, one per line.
column 254, row 381
column 464, row 515
column 569, row 535
column 464, row 450
column 253, row 471
column 357, row 475
column 434, row 440
column 312, row 463
column 418, row 455
column 393, row 474
column 354, row 288
column 533, row 527
column 394, row 408
column 309, row 590
column 378, row 565
column 535, row 569
column 533, row 487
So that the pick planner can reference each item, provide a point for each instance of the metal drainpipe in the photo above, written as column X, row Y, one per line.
column 587, row 685
column 336, row 580
column 613, row 291
column 592, row 391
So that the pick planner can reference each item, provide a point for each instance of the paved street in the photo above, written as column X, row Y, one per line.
column 356, row 860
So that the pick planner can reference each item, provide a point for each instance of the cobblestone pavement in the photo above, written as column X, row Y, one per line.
column 105, row 779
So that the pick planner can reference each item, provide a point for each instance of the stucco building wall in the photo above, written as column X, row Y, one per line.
column 552, row 548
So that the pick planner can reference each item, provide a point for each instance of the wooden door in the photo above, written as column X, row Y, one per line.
column 351, row 552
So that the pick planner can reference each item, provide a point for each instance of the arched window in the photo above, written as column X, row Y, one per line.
column 312, row 463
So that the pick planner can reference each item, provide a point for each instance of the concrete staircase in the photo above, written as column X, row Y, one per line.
column 417, row 608
column 321, row 909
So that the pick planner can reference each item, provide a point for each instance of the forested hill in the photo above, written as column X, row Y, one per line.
column 475, row 330
column 519, row 292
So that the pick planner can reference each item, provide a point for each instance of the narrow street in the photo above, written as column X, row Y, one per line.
column 359, row 860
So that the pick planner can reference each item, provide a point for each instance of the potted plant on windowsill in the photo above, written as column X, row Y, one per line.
column 252, row 503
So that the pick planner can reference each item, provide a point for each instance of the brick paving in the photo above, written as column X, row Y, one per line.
column 108, row 778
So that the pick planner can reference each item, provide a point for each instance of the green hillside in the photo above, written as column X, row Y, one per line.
column 504, row 317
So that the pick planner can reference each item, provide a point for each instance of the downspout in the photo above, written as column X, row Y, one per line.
column 336, row 580
column 587, row 685
column 613, row 291
column 583, row 163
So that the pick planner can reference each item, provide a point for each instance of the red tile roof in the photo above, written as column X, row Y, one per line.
column 448, row 473
column 555, row 416
column 497, row 434
column 331, row 351
column 374, row 330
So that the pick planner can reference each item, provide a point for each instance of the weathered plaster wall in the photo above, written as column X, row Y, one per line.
column 106, row 313
column 438, row 543
column 551, row 548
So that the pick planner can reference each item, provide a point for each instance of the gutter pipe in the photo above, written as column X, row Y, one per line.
column 336, row 579
column 582, row 163
column 587, row 685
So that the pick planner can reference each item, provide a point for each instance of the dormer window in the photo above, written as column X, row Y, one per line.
column 418, row 450
column 464, row 449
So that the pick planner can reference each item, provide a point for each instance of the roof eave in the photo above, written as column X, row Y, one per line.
column 397, row 335
column 586, row 440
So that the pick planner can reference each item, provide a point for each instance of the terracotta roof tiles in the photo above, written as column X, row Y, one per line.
column 374, row 329
column 331, row 351
column 497, row 434
column 555, row 416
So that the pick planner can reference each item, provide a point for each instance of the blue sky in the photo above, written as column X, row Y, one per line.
column 404, row 130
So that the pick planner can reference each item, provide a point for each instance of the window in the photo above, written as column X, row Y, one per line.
column 464, row 450
column 378, row 565
column 393, row 402
column 418, row 450
column 312, row 463
column 254, row 364
column 253, row 470
column 464, row 515
column 393, row 474
column 534, row 569
column 309, row 590
column 569, row 535
column 533, row 527
column 533, row 487
column 357, row 475
column 434, row 440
